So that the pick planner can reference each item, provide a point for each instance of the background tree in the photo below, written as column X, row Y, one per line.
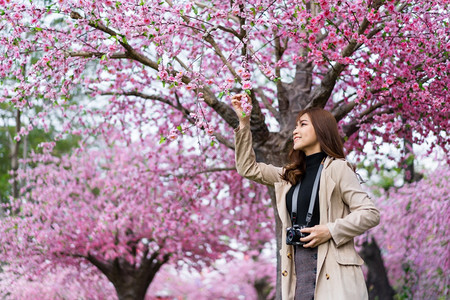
column 414, row 236
column 379, row 66
column 237, row 279
column 128, row 210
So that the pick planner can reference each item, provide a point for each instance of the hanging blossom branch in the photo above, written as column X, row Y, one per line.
column 186, row 112
column 222, row 109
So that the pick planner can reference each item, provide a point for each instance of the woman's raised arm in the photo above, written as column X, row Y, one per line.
column 246, row 164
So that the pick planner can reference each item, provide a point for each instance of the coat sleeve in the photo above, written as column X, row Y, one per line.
column 246, row 164
column 363, row 213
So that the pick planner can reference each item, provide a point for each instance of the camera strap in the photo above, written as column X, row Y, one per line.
column 312, row 200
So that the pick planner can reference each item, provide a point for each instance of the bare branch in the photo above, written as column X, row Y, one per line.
column 142, row 95
column 86, row 54
column 283, row 99
column 211, row 170
column 264, row 99
column 223, row 140
column 340, row 111
column 178, row 106
column 370, row 112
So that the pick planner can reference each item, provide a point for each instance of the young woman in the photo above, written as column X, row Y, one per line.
column 322, row 263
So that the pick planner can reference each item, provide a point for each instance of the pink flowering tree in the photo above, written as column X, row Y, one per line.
column 238, row 278
column 414, row 236
column 380, row 66
column 58, row 282
column 128, row 210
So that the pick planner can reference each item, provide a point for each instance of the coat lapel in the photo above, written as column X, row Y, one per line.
column 281, row 189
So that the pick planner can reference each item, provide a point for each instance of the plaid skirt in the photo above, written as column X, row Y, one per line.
column 305, row 269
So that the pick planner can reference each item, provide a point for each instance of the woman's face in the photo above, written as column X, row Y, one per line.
column 305, row 138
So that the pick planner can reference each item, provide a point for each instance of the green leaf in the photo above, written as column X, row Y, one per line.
column 208, row 17
column 162, row 140
column 244, row 114
column 248, row 92
column 195, row 10
column 96, row 191
column 103, row 57
column 180, row 128
column 221, row 95
column 118, row 4
column 408, row 206
column 124, row 39
column 212, row 143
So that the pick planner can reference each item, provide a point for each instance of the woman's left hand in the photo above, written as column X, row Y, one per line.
column 318, row 234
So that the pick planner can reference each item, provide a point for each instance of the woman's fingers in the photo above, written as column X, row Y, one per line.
column 317, row 235
column 237, row 99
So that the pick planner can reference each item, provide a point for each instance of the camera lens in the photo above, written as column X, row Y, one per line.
column 290, row 236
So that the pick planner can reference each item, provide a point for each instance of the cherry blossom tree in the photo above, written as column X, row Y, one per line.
column 59, row 282
column 128, row 210
column 238, row 278
column 380, row 66
column 414, row 236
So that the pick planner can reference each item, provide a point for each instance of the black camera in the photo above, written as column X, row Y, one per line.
column 293, row 235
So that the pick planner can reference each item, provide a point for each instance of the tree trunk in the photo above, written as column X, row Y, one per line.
column 377, row 280
column 130, row 281
column 15, row 159
column 263, row 289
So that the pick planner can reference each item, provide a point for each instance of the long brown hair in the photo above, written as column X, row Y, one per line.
column 325, row 127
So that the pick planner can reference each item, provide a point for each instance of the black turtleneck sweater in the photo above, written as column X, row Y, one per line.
column 304, row 195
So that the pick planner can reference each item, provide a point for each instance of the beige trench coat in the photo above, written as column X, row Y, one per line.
column 344, row 207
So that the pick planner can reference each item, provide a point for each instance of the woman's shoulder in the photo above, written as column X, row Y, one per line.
column 338, row 165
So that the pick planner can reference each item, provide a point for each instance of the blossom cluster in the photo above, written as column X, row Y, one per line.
column 392, row 57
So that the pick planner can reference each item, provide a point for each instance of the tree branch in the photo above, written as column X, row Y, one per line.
column 87, row 54
column 283, row 99
column 178, row 106
column 103, row 267
column 352, row 127
column 267, row 105
column 225, row 111
column 321, row 94
column 340, row 111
